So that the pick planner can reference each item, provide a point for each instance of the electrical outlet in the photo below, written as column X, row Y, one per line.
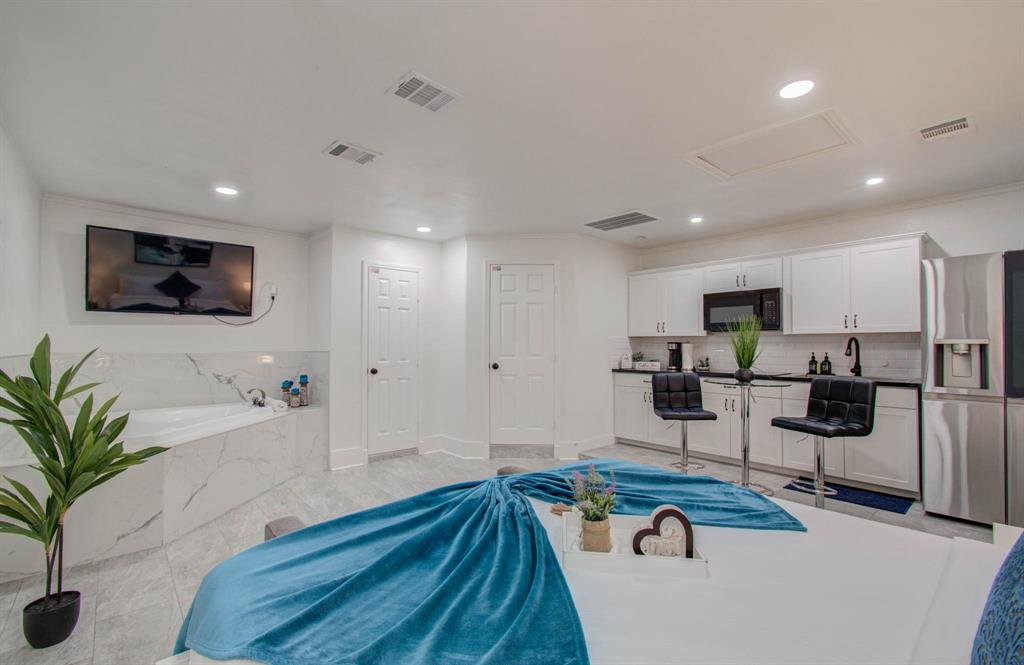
column 273, row 290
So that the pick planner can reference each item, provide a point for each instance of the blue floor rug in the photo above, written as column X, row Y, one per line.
column 861, row 497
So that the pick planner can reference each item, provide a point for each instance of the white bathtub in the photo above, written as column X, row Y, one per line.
column 175, row 425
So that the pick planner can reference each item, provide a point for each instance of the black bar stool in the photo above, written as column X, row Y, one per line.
column 836, row 407
column 677, row 397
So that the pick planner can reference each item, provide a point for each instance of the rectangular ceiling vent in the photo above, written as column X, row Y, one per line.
column 421, row 91
column 945, row 129
column 351, row 152
column 621, row 221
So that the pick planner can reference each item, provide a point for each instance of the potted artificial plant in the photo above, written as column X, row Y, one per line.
column 744, row 337
column 594, row 499
column 72, row 460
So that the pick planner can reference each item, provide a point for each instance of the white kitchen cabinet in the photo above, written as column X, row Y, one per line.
column 744, row 276
column 885, row 286
column 631, row 412
column 761, row 274
column 798, row 448
column 819, row 292
column 889, row 455
column 646, row 304
column 765, row 440
column 663, row 304
column 663, row 432
column 684, row 306
column 723, row 277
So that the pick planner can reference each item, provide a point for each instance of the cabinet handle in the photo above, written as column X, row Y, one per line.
column 726, row 404
column 744, row 279
column 734, row 406
column 737, row 280
column 854, row 320
column 645, row 397
column 846, row 320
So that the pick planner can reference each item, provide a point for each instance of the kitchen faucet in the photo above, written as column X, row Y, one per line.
column 856, row 369
column 258, row 401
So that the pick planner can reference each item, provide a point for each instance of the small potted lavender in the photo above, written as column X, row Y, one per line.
column 594, row 499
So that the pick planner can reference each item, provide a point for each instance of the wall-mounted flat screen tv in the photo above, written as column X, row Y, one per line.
column 132, row 271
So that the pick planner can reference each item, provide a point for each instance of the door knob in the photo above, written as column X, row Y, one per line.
column 495, row 365
column 373, row 370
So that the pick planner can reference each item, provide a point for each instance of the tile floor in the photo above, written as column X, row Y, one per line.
column 133, row 605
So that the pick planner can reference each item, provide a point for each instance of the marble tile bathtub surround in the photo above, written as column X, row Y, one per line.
column 882, row 355
column 156, row 380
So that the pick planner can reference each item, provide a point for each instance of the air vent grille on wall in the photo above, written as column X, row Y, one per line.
column 421, row 91
column 621, row 221
column 945, row 129
column 352, row 153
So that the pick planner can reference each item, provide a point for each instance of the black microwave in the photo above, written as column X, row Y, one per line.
column 719, row 308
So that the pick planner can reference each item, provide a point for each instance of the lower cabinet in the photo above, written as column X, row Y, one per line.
column 888, row 457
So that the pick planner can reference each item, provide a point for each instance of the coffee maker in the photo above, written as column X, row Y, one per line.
column 675, row 357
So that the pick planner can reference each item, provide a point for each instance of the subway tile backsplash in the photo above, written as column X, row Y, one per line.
column 882, row 355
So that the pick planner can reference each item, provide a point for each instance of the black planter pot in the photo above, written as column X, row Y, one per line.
column 46, row 624
column 744, row 375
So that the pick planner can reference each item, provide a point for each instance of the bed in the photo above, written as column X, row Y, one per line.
column 847, row 590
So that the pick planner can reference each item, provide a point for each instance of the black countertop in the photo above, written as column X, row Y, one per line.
column 888, row 382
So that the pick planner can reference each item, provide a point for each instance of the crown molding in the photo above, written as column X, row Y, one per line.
column 162, row 216
column 796, row 225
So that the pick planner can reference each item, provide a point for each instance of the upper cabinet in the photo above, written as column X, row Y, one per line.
column 885, row 287
column 745, row 276
column 862, row 287
column 874, row 287
column 666, row 304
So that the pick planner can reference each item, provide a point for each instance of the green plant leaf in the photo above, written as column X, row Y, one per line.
column 26, row 494
column 40, row 364
column 7, row 527
column 80, row 389
column 60, row 395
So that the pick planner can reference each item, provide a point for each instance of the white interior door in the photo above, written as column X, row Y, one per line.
column 522, row 350
column 392, row 311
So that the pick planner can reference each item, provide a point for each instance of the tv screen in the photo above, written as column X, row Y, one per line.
column 132, row 271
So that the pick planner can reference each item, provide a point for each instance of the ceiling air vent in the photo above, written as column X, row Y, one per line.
column 621, row 221
column 351, row 152
column 945, row 129
column 421, row 91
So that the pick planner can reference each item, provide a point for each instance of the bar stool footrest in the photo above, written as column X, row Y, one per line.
column 807, row 487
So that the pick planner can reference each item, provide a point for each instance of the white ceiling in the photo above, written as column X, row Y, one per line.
column 570, row 112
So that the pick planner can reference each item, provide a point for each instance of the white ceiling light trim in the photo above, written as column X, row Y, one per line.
column 874, row 180
column 696, row 220
column 226, row 190
column 424, row 229
column 796, row 89
column 774, row 146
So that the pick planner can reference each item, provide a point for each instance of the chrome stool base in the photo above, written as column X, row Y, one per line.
column 807, row 487
column 757, row 487
column 685, row 468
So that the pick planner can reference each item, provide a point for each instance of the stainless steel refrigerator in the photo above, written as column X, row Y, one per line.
column 972, row 435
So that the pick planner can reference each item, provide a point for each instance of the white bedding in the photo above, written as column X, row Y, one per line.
column 848, row 591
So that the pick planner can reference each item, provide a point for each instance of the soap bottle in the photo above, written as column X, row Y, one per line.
column 826, row 365
column 304, row 389
column 812, row 364
column 286, row 389
column 294, row 400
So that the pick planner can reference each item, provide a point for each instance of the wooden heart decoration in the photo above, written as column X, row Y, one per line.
column 658, row 517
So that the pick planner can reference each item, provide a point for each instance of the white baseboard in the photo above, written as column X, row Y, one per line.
column 572, row 449
column 343, row 458
column 453, row 446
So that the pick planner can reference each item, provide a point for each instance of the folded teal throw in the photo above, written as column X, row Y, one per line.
column 460, row 574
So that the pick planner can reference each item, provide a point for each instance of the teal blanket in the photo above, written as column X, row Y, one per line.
column 460, row 574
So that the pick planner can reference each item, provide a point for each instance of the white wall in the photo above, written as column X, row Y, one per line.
column 280, row 258
column 974, row 223
column 19, row 252
column 591, row 316
column 348, row 372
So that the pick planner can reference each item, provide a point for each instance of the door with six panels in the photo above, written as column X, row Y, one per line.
column 522, row 354
column 392, row 359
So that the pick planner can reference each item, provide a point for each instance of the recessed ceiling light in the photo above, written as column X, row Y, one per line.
column 696, row 220
column 424, row 229
column 226, row 191
column 877, row 180
column 796, row 89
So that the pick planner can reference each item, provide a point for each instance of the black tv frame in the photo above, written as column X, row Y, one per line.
column 88, row 308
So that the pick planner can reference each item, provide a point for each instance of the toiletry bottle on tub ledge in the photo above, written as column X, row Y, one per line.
column 286, row 391
column 294, row 400
column 304, row 397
